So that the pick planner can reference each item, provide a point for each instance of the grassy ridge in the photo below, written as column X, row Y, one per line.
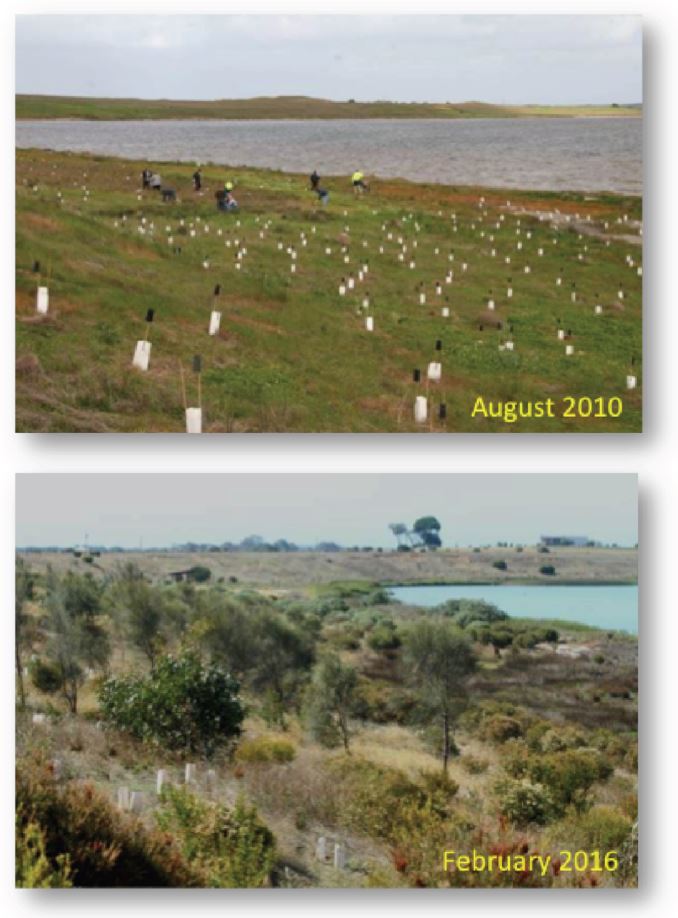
column 289, row 107
column 361, row 572
column 293, row 355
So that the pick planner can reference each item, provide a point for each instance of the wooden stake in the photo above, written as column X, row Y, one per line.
column 183, row 385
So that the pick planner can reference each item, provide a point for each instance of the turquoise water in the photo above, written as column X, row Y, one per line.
column 609, row 607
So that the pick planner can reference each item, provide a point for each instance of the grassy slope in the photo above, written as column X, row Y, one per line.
column 292, row 355
column 296, row 571
column 32, row 106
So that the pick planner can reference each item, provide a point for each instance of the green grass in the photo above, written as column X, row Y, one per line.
column 293, row 355
column 33, row 106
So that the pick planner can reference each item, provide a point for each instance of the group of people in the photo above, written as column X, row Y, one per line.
column 224, row 196
column 358, row 179
column 151, row 180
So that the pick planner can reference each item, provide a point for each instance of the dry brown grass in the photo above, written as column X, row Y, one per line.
column 298, row 570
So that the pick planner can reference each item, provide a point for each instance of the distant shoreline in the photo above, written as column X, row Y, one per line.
column 82, row 108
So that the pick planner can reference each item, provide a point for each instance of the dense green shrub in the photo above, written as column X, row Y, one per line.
column 265, row 749
column 229, row 848
column 46, row 676
column 199, row 574
column 548, row 570
column 384, row 636
column 523, row 802
column 72, row 835
column 500, row 565
column 602, row 827
column 569, row 775
column 182, row 704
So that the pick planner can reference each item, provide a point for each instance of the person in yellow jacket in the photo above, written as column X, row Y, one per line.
column 359, row 185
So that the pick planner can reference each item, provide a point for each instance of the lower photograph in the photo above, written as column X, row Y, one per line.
column 326, row 681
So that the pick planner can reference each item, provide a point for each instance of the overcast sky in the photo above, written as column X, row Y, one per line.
column 502, row 59
column 349, row 509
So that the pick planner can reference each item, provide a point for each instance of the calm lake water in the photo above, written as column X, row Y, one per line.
column 610, row 607
column 583, row 154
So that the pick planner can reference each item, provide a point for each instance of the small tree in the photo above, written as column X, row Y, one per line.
column 332, row 700
column 24, row 591
column 199, row 573
column 142, row 608
column 76, row 639
column 439, row 659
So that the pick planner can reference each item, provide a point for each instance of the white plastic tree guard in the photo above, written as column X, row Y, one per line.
column 369, row 323
column 39, row 719
column 42, row 300
column 631, row 382
column 321, row 849
column 123, row 798
column 509, row 345
column 445, row 312
column 339, row 857
column 136, row 801
column 420, row 409
column 142, row 355
column 193, row 426
column 569, row 350
column 435, row 371
column 160, row 780
column 215, row 322
column 189, row 773
column 598, row 309
column 490, row 304
column 561, row 334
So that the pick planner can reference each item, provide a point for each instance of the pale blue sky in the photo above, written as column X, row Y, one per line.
column 502, row 59
column 350, row 509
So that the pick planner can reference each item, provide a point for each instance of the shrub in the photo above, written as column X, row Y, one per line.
column 46, row 676
column 384, row 636
column 548, row 570
column 199, row 574
column 228, row 848
column 523, row 802
column 181, row 704
column 384, row 803
column 569, row 775
column 474, row 765
column 265, row 749
column 602, row 827
column 500, row 565
column 85, row 841
column 32, row 867
column 499, row 728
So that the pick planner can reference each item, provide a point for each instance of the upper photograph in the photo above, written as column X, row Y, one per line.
column 329, row 224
